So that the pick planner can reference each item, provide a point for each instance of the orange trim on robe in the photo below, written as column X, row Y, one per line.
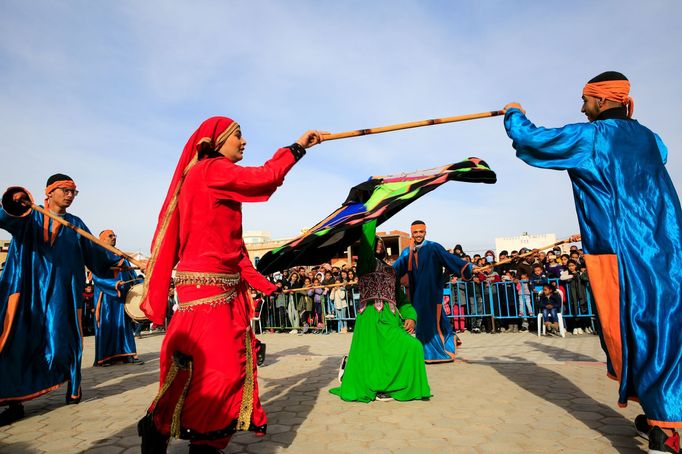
column 120, row 355
column 31, row 396
column 98, row 308
column 603, row 276
column 12, row 304
column 665, row 424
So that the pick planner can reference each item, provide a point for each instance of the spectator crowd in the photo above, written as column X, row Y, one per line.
column 507, row 295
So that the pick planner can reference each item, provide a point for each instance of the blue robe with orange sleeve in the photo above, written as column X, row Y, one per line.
column 631, row 226
column 113, row 328
column 41, row 304
column 426, row 294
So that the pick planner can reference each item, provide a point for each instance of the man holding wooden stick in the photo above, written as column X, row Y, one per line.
column 40, row 296
column 630, row 221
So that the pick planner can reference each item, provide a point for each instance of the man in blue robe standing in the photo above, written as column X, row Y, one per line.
column 114, row 338
column 41, row 297
column 631, row 227
column 423, row 262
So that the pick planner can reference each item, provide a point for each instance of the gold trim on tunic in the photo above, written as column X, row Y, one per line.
column 226, row 281
column 246, row 408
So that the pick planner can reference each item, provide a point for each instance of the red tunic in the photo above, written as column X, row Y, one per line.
column 223, row 390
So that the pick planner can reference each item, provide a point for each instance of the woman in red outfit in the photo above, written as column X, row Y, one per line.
column 208, row 388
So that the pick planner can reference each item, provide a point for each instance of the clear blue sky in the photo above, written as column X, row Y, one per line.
column 109, row 92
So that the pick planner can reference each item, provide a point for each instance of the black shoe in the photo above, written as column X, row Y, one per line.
column 152, row 441
column 260, row 353
column 383, row 397
column 133, row 360
column 642, row 426
column 342, row 367
column 71, row 400
column 203, row 449
column 13, row 413
column 660, row 443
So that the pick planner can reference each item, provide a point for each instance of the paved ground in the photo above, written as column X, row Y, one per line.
column 509, row 393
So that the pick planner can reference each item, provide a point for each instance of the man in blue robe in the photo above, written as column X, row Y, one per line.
column 423, row 263
column 41, row 297
column 631, row 223
column 114, row 338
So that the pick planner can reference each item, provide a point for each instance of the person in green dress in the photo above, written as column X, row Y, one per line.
column 385, row 360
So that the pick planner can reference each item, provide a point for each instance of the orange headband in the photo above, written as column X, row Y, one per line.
column 105, row 234
column 69, row 184
column 417, row 227
column 47, row 236
column 613, row 90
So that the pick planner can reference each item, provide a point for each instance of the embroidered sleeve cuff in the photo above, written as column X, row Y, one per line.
column 297, row 150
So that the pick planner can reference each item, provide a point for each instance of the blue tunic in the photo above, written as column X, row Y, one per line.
column 630, row 221
column 113, row 328
column 426, row 295
column 41, row 304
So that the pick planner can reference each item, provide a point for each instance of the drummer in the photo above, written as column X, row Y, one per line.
column 41, row 301
column 114, row 339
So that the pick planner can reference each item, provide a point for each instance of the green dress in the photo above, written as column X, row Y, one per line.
column 383, row 357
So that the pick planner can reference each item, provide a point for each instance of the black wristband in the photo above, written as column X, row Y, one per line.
column 297, row 150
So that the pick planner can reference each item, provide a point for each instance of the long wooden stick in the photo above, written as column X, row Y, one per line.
column 305, row 289
column 570, row 239
column 87, row 235
column 414, row 124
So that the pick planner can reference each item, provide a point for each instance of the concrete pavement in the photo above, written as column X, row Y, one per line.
column 508, row 393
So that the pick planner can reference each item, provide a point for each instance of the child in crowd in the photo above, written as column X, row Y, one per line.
column 550, row 303
column 280, row 306
column 317, row 295
column 525, row 303
column 537, row 279
column 553, row 266
column 576, row 284
column 338, row 297
column 306, row 306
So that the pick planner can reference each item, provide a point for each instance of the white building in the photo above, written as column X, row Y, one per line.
column 256, row 237
column 514, row 243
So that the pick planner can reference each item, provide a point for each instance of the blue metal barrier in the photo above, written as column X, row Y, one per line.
column 503, row 300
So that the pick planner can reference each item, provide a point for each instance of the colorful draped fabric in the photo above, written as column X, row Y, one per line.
column 383, row 357
column 631, row 226
column 378, row 199
column 41, row 304
column 113, row 328
column 426, row 294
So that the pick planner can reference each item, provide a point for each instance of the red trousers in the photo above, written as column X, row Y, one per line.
column 457, row 320
column 223, row 388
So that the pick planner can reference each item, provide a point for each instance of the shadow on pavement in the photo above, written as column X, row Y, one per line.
column 119, row 375
column 16, row 448
column 560, row 354
column 558, row 390
column 288, row 402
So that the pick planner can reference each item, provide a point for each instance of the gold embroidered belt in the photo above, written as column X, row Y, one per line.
column 227, row 282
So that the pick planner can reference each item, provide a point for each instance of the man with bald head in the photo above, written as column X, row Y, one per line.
column 630, row 222
column 114, row 339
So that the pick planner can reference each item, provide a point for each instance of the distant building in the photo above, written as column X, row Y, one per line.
column 511, row 243
column 4, row 248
